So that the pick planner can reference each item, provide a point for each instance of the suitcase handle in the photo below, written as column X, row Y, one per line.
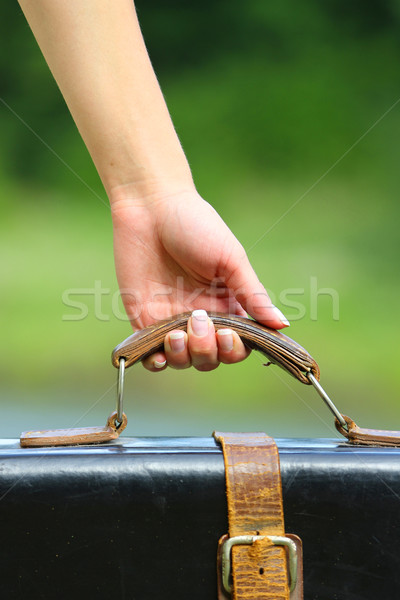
column 277, row 347
column 280, row 350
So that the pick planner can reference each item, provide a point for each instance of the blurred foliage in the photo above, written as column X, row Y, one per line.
column 294, row 83
column 275, row 104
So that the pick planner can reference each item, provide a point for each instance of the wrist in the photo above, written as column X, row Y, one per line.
column 151, row 191
column 143, row 170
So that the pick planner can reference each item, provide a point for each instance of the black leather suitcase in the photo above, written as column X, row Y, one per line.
column 141, row 518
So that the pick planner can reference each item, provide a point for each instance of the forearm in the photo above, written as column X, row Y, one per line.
column 96, row 53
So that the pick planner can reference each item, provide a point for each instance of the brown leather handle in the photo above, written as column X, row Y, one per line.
column 277, row 347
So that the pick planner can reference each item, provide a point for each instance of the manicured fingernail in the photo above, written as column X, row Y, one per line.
column 177, row 341
column 160, row 365
column 200, row 322
column 281, row 316
column 225, row 339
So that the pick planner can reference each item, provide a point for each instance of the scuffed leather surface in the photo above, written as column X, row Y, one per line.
column 139, row 519
column 361, row 436
column 254, row 496
column 76, row 436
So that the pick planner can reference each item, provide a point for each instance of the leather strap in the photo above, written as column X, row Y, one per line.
column 368, row 437
column 72, row 437
column 296, row 594
column 277, row 347
column 254, row 494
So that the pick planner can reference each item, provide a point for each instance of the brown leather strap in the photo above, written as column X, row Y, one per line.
column 72, row 437
column 255, row 507
column 277, row 347
column 368, row 437
column 296, row 594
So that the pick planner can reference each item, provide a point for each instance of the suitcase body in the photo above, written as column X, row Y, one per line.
column 140, row 519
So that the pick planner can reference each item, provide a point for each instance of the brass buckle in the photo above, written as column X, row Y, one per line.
column 226, row 562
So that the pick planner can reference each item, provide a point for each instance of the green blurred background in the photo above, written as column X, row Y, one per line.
column 275, row 104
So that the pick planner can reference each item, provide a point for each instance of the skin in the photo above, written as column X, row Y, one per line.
column 173, row 253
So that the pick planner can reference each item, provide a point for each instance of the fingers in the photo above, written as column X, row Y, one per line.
column 201, row 347
column 156, row 362
column 202, row 342
column 230, row 347
column 176, row 349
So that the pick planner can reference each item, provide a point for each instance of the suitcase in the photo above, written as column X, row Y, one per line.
column 140, row 518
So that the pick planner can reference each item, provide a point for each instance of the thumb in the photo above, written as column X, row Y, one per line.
column 253, row 297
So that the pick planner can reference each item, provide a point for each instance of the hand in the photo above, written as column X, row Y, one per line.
column 173, row 254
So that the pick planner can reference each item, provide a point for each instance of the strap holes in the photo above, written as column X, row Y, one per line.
column 261, row 571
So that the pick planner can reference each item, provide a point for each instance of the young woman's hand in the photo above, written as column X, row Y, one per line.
column 174, row 254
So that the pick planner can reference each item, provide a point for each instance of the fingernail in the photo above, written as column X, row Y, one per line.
column 225, row 339
column 160, row 365
column 200, row 322
column 281, row 316
column 177, row 341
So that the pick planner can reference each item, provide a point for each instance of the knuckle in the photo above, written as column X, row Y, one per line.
column 231, row 359
column 201, row 350
column 181, row 366
column 178, row 362
column 206, row 366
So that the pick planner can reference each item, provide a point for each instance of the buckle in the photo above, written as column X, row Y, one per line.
column 226, row 562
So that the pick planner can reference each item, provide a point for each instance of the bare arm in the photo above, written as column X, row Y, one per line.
column 170, row 246
column 97, row 55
